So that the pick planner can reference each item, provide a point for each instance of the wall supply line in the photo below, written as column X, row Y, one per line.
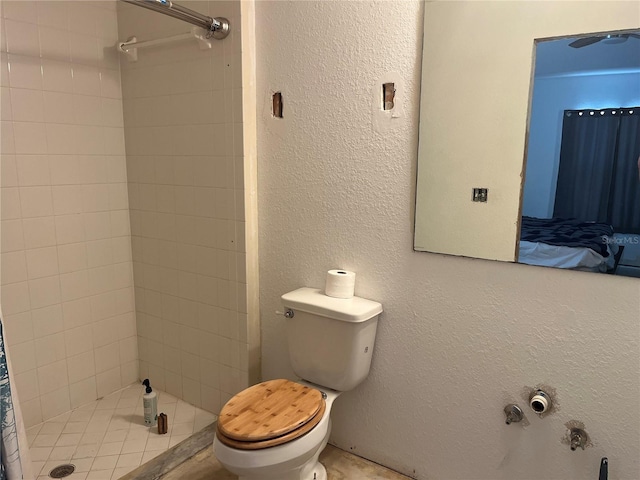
column 131, row 46
column 217, row 28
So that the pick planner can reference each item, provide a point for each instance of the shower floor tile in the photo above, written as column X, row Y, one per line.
column 107, row 439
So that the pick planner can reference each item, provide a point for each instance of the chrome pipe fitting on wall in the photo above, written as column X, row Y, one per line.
column 539, row 402
column 514, row 413
column 577, row 438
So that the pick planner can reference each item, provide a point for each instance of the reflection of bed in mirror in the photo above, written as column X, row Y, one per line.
column 569, row 243
column 583, row 157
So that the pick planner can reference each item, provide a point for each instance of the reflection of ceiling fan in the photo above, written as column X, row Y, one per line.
column 610, row 39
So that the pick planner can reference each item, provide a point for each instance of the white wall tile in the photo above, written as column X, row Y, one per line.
column 81, row 367
column 25, row 72
column 4, row 69
column 22, row 38
column 112, row 112
column 42, row 262
column 99, row 253
column 97, row 225
column 74, row 285
column 107, row 357
column 76, row 313
column 27, row 385
column 87, row 110
column 116, row 168
column 78, row 340
column 113, row 141
column 50, row 349
column 84, row 50
column 10, row 203
column 57, row 76
column 24, row 11
column 14, row 267
column 12, row 236
column 18, row 328
column 110, row 83
column 83, row 392
column 44, row 291
column 191, row 391
column 61, row 138
column 53, row 14
column 72, row 257
column 69, row 229
column 67, row 199
column 129, row 373
column 31, row 412
column 33, row 170
column 3, row 36
column 36, row 201
column 8, row 144
column 86, row 80
column 108, row 382
column 90, row 140
column 30, row 138
column 55, row 403
column 5, row 104
column 39, row 232
column 9, row 177
column 54, row 44
column 95, row 198
column 53, row 376
column 123, row 274
column 47, row 321
column 58, row 107
column 27, row 105
column 15, row 298
column 93, row 168
column 105, row 333
column 23, row 356
column 65, row 169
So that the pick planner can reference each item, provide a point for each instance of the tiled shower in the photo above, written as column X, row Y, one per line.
column 124, row 226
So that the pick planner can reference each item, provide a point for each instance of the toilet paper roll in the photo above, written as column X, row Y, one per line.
column 340, row 284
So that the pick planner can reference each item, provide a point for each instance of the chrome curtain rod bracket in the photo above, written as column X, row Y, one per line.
column 217, row 28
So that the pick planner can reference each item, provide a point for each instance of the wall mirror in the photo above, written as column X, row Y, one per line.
column 494, row 107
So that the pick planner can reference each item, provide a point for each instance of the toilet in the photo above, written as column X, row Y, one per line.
column 276, row 430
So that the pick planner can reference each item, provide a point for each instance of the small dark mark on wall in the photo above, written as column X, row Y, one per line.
column 277, row 105
column 388, row 96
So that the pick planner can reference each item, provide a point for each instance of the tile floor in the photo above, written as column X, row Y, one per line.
column 107, row 439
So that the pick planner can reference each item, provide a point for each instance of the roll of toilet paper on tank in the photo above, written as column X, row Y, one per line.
column 340, row 284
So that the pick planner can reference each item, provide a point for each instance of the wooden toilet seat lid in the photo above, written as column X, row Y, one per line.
column 268, row 410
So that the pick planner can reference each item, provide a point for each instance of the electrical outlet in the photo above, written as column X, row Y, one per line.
column 480, row 194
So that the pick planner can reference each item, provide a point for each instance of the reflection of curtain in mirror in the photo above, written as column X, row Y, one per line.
column 596, row 176
column 624, row 205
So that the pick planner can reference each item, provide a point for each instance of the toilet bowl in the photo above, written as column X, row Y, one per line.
column 276, row 430
column 295, row 459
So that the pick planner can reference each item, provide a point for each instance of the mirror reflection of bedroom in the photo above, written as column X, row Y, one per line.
column 581, row 198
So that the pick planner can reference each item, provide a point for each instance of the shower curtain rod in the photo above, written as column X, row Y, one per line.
column 217, row 28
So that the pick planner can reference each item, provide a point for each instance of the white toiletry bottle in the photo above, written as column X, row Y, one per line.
column 150, row 404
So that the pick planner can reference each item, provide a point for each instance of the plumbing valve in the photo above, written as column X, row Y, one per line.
column 513, row 413
column 577, row 438
column 539, row 402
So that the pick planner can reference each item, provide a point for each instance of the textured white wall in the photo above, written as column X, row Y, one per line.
column 459, row 337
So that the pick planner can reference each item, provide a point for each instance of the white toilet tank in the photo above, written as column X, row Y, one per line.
column 330, row 339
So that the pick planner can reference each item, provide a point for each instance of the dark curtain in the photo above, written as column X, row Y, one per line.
column 598, row 172
column 624, row 205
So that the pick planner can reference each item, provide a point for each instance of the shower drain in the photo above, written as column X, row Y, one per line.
column 62, row 471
